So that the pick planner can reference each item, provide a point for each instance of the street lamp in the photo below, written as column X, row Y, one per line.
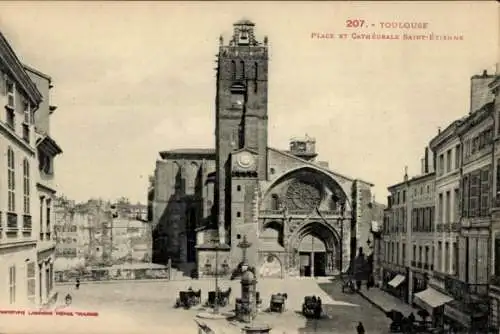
column 341, row 222
column 244, row 245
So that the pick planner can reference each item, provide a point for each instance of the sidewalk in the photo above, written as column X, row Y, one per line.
column 386, row 302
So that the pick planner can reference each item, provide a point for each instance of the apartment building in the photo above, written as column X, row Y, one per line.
column 395, row 274
column 47, row 151
column 494, row 291
column 25, row 251
column 421, row 213
column 446, row 150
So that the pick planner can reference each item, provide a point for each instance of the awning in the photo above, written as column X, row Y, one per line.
column 430, row 299
column 396, row 281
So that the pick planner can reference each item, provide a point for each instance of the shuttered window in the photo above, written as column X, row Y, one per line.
column 30, row 276
column 12, row 284
column 485, row 191
column 474, row 195
column 465, row 196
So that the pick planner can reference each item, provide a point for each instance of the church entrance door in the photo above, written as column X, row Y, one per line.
column 312, row 253
column 315, row 245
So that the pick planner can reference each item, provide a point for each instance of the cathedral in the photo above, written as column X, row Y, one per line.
column 283, row 211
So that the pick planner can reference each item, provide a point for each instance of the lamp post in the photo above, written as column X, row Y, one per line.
column 341, row 221
column 244, row 245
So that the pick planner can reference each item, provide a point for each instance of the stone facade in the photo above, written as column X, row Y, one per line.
column 286, row 203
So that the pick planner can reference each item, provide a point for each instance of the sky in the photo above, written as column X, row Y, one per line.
column 135, row 78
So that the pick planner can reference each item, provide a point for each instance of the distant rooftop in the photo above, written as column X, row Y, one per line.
column 187, row 151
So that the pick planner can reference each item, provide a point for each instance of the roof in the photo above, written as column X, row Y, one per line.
column 37, row 72
column 49, row 145
column 17, row 71
column 312, row 164
column 187, row 151
column 245, row 22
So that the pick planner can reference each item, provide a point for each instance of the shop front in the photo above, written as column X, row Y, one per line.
column 419, row 282
column 433, row 302
column 396, row 284
column 461, row 317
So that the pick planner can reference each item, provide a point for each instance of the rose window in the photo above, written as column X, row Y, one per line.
column 301, row 195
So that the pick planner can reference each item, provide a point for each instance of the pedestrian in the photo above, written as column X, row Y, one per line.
column 358, row 284
column 360, row 328
column 77, row 283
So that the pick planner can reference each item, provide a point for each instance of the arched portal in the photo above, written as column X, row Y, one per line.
column 315, row 248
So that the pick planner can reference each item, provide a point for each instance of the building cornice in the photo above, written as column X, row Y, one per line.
column 48, row 145
column 475, row 118
column 445, row 136
column 37, row 72
column 17, row 71
column 19, row 141
column 45, row 188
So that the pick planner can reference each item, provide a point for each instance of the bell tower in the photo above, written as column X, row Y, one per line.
column 241, row 109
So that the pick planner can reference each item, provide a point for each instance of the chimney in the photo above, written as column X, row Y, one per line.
column 439, row 130
column 480, row 94
column 406, row 174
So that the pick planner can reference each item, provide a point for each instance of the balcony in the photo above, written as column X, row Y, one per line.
column 462, row 291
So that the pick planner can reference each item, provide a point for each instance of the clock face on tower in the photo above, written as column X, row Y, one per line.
column 245, row 160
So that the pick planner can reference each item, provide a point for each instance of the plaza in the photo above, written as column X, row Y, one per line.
column 130, row 307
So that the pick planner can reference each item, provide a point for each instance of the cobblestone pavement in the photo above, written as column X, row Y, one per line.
column 148, row 307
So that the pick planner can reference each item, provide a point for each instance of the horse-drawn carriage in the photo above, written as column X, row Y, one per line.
column 311, row 307
column 277, row 303
column 222, row 300
column 188, row 298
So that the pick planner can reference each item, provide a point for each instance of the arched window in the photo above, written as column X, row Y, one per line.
column 233, row 70
column 242, row 69
column 333, row 203
column 26, row 186
column 275, row 202
column 11, row 181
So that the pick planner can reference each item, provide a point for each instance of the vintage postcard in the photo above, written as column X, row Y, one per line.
column 227, row 167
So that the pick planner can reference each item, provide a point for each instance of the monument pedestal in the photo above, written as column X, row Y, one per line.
column 257, row 329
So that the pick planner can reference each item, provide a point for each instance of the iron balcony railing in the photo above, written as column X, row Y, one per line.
column 464, row 291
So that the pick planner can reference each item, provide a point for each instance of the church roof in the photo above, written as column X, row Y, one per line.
column 326, row 170
column 187, row 151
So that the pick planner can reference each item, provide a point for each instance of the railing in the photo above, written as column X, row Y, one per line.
column 300, row 212
column 464, row 291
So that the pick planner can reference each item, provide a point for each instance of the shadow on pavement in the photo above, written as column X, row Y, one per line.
column 338, row 318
